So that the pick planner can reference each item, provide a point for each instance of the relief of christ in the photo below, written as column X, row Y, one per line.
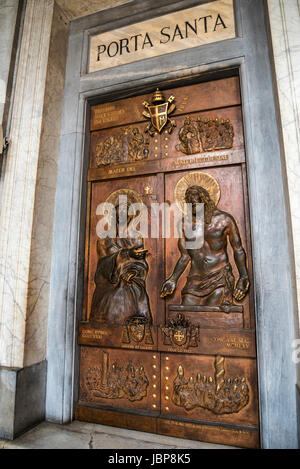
column 210, row 281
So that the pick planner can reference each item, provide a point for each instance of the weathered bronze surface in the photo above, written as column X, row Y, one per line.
column 130, row 380
column 201, row 135
column 209, row 388
column 127, row 145
column 138, row 145
column 109, row 151
column 135, row 333
column 184, row 364
column 189, row 99
column 159, row 113
column 221, row 395
column 136, row 330
column 117, row 382
column 210, row 281
column 181, row 332
column 121, row 273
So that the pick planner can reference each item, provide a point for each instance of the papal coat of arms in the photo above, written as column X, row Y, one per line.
column 181, row 332
column 137, row 330
column 159, row 113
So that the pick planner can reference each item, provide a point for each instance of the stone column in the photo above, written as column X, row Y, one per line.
column 22, row 389
column 8, row 19
column 284, row 19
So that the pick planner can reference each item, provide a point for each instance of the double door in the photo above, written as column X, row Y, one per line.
column 167, row 337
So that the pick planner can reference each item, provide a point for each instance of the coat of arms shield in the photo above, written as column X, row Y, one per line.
column 137, row 331
column 159, row 115
column 179, row 336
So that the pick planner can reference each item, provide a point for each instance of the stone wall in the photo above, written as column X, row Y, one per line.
column 284, row 18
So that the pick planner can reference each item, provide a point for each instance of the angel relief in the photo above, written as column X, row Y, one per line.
column 120, row 293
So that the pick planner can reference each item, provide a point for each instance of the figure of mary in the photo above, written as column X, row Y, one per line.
column 120, row 280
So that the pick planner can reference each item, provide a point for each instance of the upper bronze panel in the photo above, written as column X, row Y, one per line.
column 200, row 97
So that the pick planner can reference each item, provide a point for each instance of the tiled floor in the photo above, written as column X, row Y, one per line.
column 78, row 435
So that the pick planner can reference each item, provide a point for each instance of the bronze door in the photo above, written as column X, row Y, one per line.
column 167, row 336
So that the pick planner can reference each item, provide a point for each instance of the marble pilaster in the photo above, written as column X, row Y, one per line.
column 42, row 228
column 19, row 185
column 284, row 18
column 8, row 18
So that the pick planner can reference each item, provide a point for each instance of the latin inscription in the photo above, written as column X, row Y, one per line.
column 204, row 24
column 130, row 169
column 180, row 349
column 93, row 334
column 232, row 342
column 202, row 159
column 196, row 26
column 108, row 114
column 138, row 347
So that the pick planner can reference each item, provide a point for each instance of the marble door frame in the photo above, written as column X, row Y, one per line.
column 272, row 248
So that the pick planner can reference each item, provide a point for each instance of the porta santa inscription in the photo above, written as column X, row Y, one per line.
column 204, row 24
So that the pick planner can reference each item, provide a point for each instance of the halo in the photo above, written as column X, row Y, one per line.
column 197, row 178
column 132, row 198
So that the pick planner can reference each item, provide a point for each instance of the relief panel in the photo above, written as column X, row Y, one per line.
column 120, row 379
column 121, row 271
column 122, row 145
column 212, row 388
column 187, row 336
column 214, row 137
column 216, row 296
column 188, row 99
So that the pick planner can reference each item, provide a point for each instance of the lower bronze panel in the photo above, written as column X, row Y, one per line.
column 239, row 438
column 243, row 438
column 209, row 388
column 115, row 419
column 121, row 379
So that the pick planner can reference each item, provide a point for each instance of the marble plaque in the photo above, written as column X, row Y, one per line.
column 204, row 24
